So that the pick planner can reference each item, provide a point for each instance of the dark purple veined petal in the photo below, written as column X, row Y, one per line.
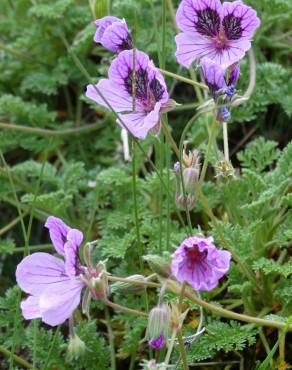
column 239, row 21
column 58, row 232
column 141, row 86
column 202, row 16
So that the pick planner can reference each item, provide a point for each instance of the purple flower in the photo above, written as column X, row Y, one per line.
column 158, row 342
column 221, row 32
column 140, row 110
column 54, row 286
column 113, row 34
column 198, row 262
column 221, row 82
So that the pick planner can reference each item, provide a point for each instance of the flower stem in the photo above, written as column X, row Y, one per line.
column 237, row 316
column 170, row 348
column 182, row 350
column 169, row 138
column 110, row 339
column 225, row 139
column 116, row 306
column 206, row 159
column 183, row 79
column 134, row 282
column 47, row 132
column 16, row 358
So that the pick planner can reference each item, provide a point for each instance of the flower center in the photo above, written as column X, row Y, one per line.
column 221, row 41
column 195, row 255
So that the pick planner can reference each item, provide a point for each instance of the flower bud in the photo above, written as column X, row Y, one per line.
column 76, row 348
column 153, row 365
column 234, row 75
column 224, row 169
column 190, row 174
column 158, row 326
column 159, row 265
column 128, row 288
column 99, row 286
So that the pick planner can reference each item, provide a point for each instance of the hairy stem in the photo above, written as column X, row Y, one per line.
column 16, row 358
column 225, row 140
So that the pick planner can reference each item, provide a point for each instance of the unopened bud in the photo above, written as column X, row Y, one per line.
column 128, row 288
column 99, row 286
column 76, row 348
column 224, row 169
column 158, row 326
column 190, row 174
column 159, row 265
column 234, row 75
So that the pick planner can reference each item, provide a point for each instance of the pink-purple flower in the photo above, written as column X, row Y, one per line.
column 113, row 34
column 198, row 262
column 139, row 102
column 54, row 285
column 221, row 82
column 221, row 32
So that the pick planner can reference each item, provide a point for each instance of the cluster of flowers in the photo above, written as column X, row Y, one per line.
column 216, row 34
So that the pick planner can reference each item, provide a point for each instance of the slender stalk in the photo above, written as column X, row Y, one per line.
column 237, row 316
column 16, row 358
column 207, row 155
column 117, row 307
column 182, row 350
column 225, row 140
column 170, row 348
column 136, row 217
column 46, row 132
column 282, row 339
column 110, row 339
column 169, row 137
column 183, row 79
column 10, row 225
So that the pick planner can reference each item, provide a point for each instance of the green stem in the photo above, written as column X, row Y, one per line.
column 110, row 338
column 169, row 138
column 134, row 282
column 182, row 350
column 206, row 159
column 183, row 79
column 46, row 132
column 225, row 140
column 236, row 316
column 136, row 217
column 170, row 348
column 16, row 358
column 117, row 307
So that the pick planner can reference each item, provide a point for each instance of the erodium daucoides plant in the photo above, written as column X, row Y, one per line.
column 183, row 256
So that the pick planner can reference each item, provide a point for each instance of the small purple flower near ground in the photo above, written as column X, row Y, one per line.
column 221, row 32
column 158, row 342
column 54, row 286
column 198, row 262
column 140, row 107
column 113, row 34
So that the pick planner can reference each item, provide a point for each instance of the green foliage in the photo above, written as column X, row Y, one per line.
column 84, row 179
column 221, row 337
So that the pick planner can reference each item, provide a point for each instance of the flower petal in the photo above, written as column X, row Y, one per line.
column 121, row 72
column 191, row 47
column 114, row 95
column 75, row 238
column 102, row 25
column 200, row 16
column 30, row 308
column 214, row 76
column 140, row 123
column 58, row 301
column 239, row 21
column 116, row 37
column 58, row 232
column 39, row 270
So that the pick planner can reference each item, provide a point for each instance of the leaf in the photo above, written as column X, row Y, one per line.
column 271, row 266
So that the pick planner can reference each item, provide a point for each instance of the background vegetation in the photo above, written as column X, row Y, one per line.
column 62, row 155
